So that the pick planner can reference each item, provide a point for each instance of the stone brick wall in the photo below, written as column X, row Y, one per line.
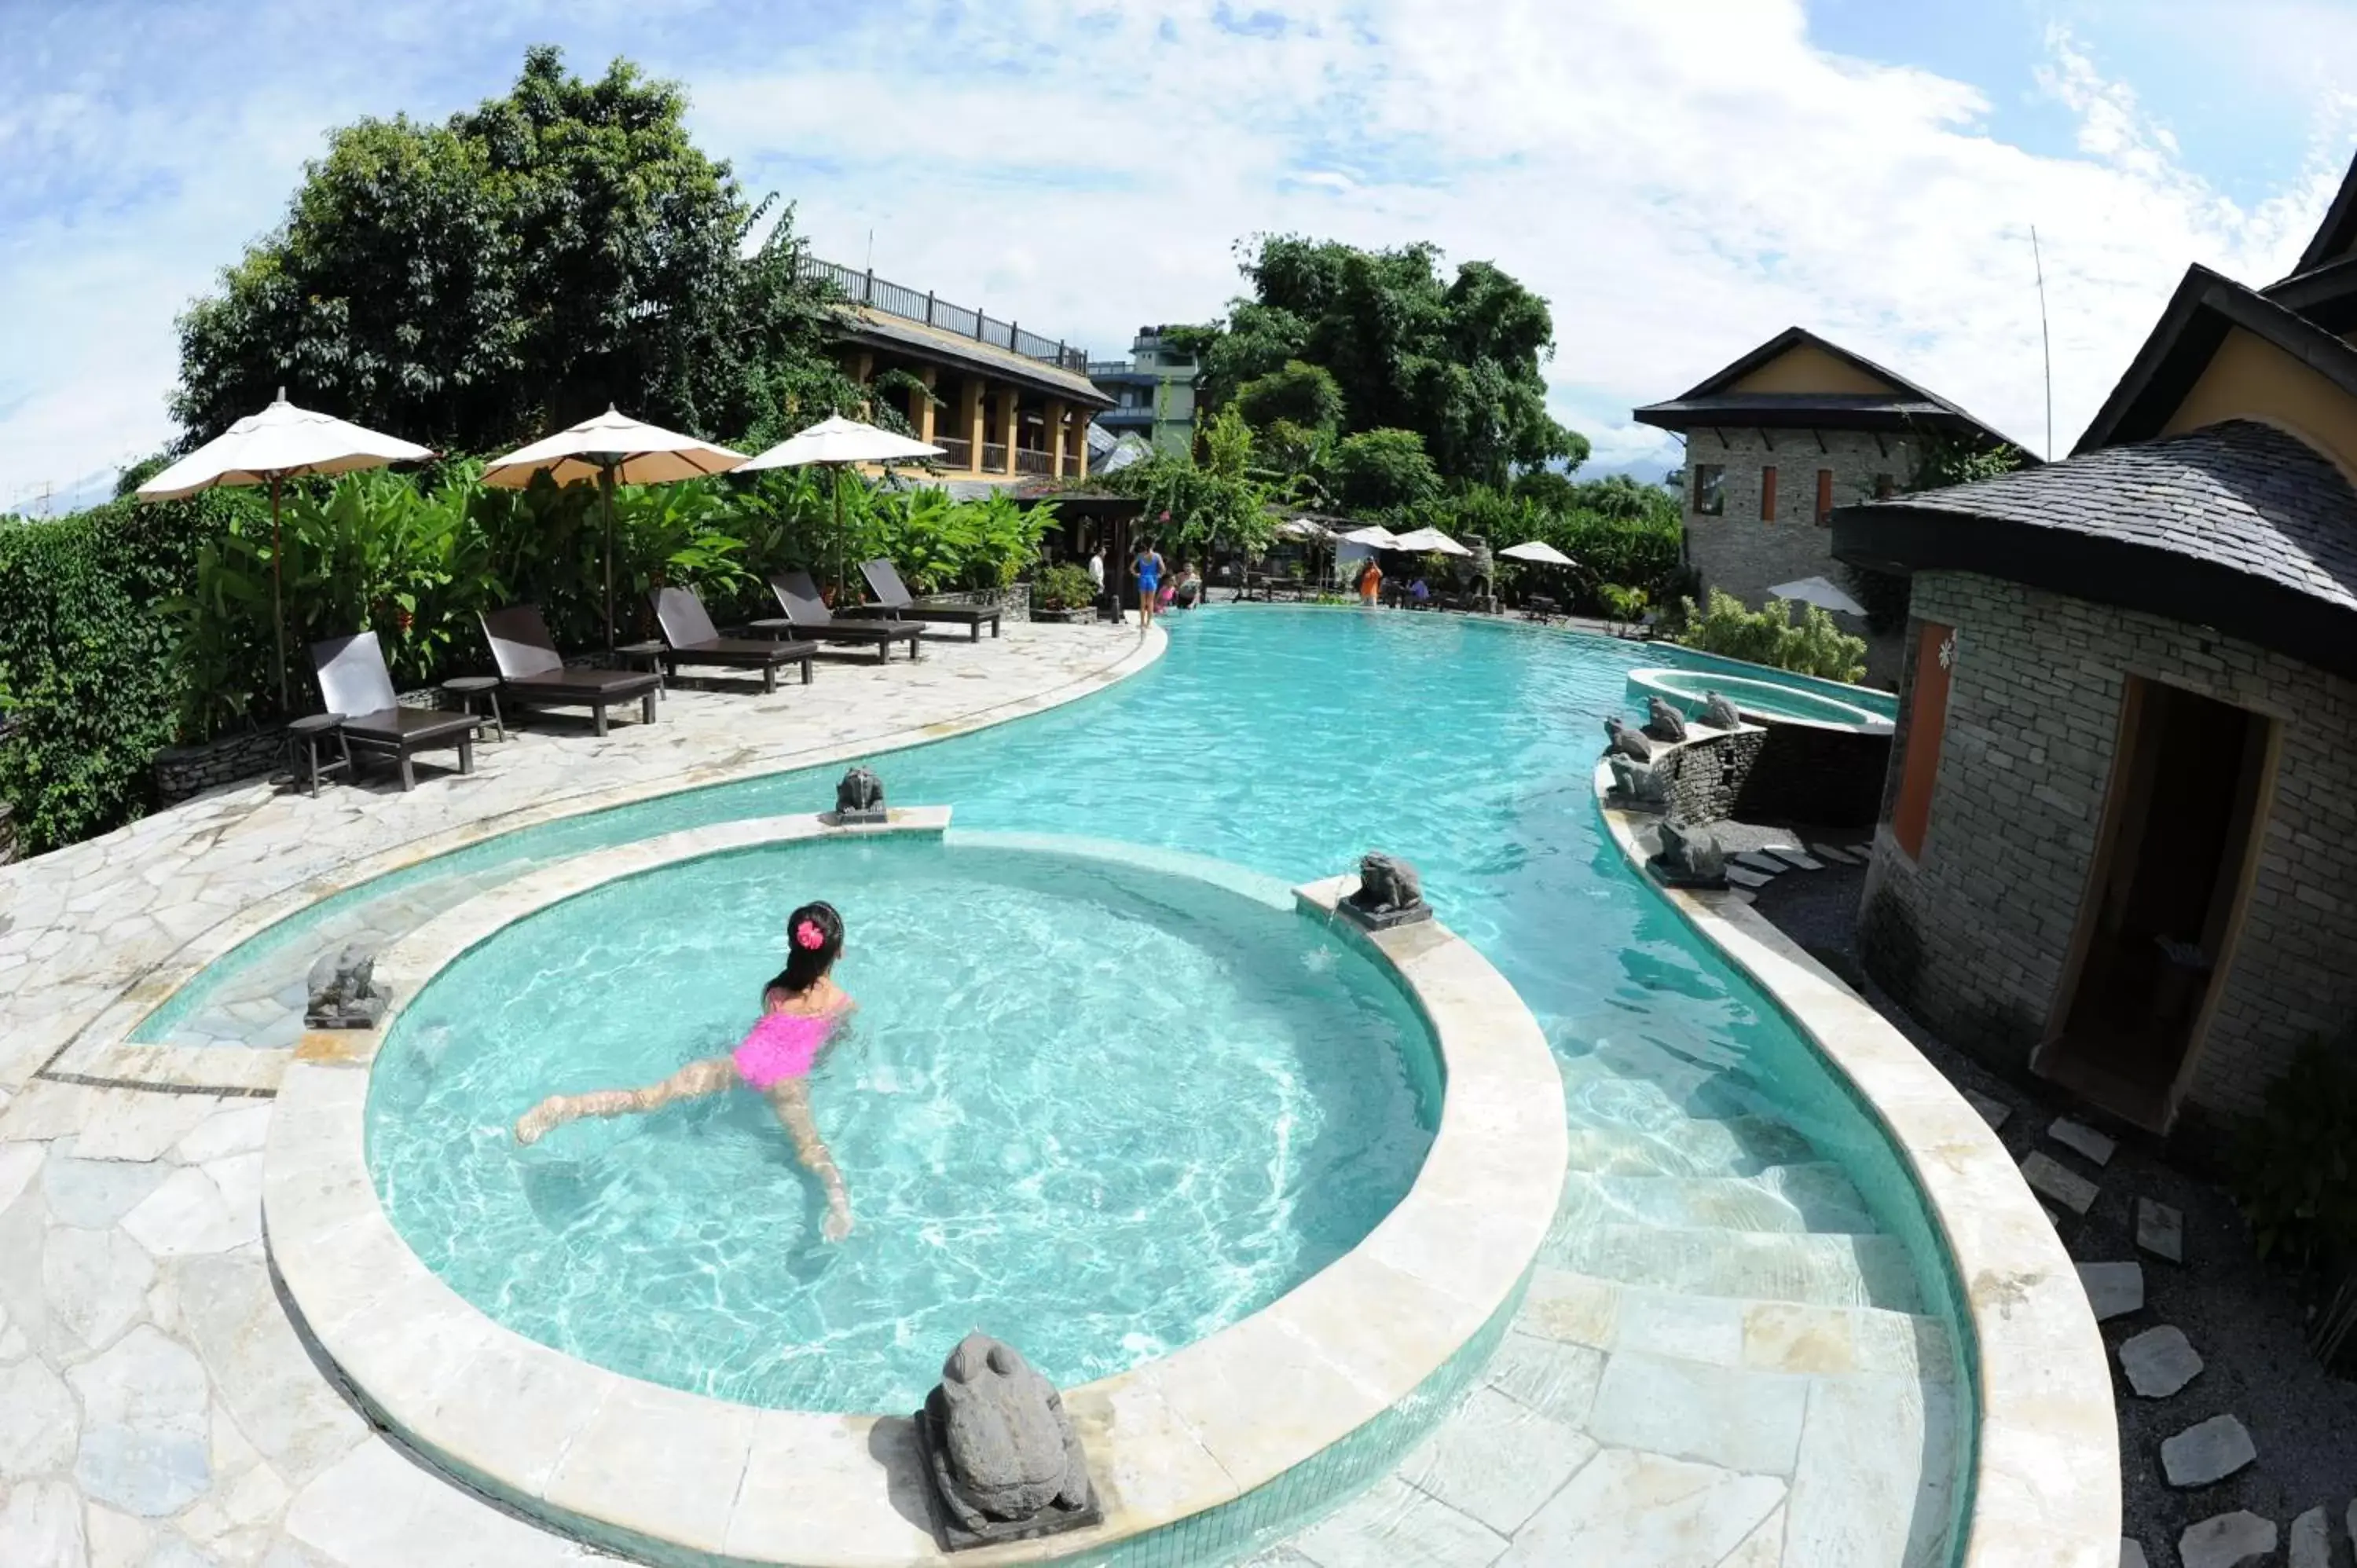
column 1737, row 552
column 184, row 772
column 1707, row 773
column 1973, row 937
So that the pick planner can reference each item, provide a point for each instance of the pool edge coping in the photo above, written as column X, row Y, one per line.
column 102, row 1049
column 2045, row 1478
column 605, row 1456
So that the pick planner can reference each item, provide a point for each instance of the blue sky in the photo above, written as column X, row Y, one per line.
column 1680, row 178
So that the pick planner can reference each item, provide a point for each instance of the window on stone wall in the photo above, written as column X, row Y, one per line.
column 1824, row 498
column 1927, row 721
column 1767, row 494
column 1710, row 489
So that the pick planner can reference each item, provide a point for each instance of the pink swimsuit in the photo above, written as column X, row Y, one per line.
column 781, row 1045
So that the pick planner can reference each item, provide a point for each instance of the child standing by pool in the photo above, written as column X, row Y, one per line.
column 801, row 1008
column 1147, row 570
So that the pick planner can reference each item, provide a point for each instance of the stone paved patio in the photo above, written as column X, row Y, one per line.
column 1748, row 1389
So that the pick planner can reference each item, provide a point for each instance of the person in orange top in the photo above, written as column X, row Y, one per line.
column 1371, row 583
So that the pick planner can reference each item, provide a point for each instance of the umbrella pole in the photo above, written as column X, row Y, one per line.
column 606, row 483
column 838, row 534
column 277, row 597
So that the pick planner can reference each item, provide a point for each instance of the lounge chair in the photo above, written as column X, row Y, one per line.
column 356, row 688
column 892, row 597
column 536, row 675
column 689, row 638
column 807, row 613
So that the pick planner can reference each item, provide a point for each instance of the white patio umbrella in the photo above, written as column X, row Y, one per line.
column 613, row 449
column 1539, row 552
column 281, row 443
column 837, row 442
column 1819, row 591
column 1430, row 541
column 1302, row 528
column 1374, row 536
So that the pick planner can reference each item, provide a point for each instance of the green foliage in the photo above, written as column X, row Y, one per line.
column 2293, row 1166
column 1622, row 604
column 1215, row 507
column 1814, row 646
column 88, row 664
column 513, row 270
column 1618, row 531
column 1300, row 394
column 1455, row 361
column 1065, row 587
column 1384, row 471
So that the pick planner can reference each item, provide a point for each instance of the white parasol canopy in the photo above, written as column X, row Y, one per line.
column 1538, row 551
column 840, row 440
column 835, row 441
column 612, row 449
column 281, row 443
column 1374, row 536
column 1430, row 541
column 1302, row 528
column 1819, row 591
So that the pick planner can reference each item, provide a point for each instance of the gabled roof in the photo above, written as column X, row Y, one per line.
column 2237, row 526
column 2337, row 235
column 1904, row 405
column 2327, row 296
column 2205, row 307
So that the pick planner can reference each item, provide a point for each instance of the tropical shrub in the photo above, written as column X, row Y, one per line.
column 1383, row 470
column 1814, row 646
column 1063, row 587
column 2294, row 1171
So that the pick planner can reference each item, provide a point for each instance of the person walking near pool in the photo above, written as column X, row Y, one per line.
column 800, row 1010
column 1371, row 583
column 1147, row 570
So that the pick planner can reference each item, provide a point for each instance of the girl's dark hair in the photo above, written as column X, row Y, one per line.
column 805, row 965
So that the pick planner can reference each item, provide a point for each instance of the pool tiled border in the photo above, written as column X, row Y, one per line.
column 104, row 1050
column 2045, row 1480
column 1262, row 1424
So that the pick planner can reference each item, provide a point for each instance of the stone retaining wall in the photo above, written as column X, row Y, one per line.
column 184, row 772
column 7, row 833
column 1776, row 773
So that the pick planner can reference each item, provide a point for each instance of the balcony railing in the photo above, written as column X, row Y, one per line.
column 1031, row 461
column 994, row 457
column 1129, row 410
column 895, row 299
column 957, row 451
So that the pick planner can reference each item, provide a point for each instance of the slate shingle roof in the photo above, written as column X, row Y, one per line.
column 2240, row 496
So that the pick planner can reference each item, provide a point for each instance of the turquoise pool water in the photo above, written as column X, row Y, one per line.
column 1100, row 1111
column 1755, row 698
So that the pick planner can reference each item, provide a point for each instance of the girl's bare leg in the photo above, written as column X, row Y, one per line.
column 690, row 1083
column 790, row 1100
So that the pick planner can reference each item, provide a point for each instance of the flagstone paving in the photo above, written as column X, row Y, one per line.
column 1715, row 1376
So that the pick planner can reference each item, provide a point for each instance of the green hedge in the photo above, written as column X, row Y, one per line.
column 90, row 662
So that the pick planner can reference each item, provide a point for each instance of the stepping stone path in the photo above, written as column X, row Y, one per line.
column 2160, row 1231
column 1743, row 878
column 2229, row 1540
column 1798, row 859
column 2159, row 1361
column 1994, row 1112
column 1765, row 864
column 2311, row 1540
column 2132, row 1553
column 2049, row 1178
column 2113, row 1290
column 2206, row 1453
column 2083, row 1140
column 1837, row 854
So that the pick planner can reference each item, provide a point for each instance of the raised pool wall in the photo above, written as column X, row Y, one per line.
column 1224, row 1446
column 1773, row 770
column 2043, row 1484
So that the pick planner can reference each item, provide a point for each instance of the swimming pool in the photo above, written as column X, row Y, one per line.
column 1754, row 697
column 1099, row 1109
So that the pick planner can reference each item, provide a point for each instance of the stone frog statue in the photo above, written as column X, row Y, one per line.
column 860, row 796
column 1663, row 722
column 1692, row 854
column 343, row 991
column 1387, row 885
column 1010, row 1450
column 1720, row 713
column 1641, row 782
column 1622, row 741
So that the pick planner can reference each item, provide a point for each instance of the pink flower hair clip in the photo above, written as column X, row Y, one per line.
column 808, row 935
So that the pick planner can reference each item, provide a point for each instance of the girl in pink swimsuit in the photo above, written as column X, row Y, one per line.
column 800, row 1010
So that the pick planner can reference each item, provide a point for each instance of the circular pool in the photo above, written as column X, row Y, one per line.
column 1754, row 698
column 1101, row 1109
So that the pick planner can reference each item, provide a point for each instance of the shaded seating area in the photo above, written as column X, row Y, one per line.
column 690, row 639
column 808, row 616
column 892, row 597
column 357, row 690
column 536, row 675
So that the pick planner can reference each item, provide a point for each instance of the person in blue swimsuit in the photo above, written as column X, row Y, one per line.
column 1147, row 570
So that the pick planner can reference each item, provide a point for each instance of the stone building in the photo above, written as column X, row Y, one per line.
column 2118, row 845
column 1153, row 391
column 1778, row 439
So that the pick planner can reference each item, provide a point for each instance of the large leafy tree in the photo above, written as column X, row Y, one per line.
column 513, row 269
column 1456, row 361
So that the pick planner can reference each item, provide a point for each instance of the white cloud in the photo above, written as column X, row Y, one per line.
column 1681, row 181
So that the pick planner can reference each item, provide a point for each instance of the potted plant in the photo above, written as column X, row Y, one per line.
column 1064, row 593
